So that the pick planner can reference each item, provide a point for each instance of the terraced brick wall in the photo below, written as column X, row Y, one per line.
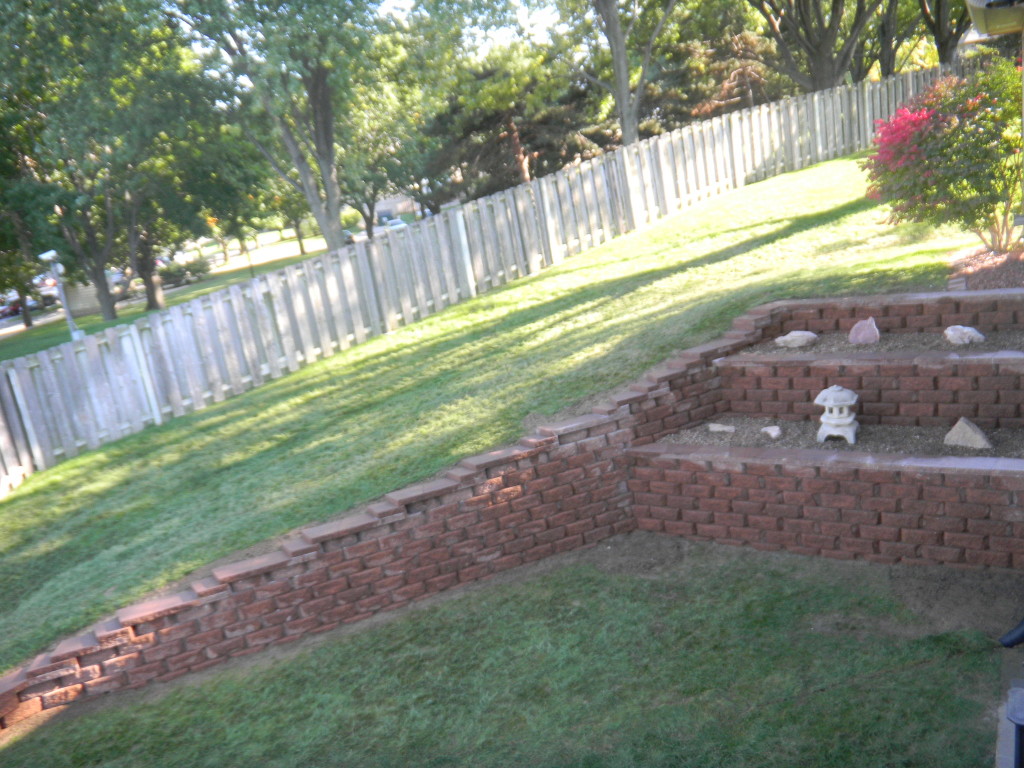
column 569, row 485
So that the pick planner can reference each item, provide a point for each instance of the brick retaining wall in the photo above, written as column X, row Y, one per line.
column 905, row 389
column 886, row 509
column 580, row 481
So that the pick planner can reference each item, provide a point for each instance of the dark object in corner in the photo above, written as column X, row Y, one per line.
column 1014, row 637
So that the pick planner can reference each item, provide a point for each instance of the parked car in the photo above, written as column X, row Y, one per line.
column 393, row 225
column 349, row 237
column 13, row 308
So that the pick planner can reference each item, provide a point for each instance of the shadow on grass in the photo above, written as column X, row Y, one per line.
column 346, row 430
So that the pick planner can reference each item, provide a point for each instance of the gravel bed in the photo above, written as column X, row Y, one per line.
column 914, row 441
column 839, row 344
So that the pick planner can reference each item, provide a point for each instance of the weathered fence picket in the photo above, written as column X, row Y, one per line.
column 85, row 393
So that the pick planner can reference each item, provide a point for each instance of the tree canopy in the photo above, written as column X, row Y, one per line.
column 129, row 126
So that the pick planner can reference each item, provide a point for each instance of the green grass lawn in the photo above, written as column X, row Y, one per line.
column 102, row 530
column 715, row 660
column 269, row 258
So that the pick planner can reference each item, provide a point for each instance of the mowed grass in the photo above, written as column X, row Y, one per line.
column 104, row 529
column 716, row 661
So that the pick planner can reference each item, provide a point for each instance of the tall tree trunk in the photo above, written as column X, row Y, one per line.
column 297, row 226
column 945, row 28
column 627, row 111
column 27, row 253
column 368, row 211
column 150, row 278
column 93, row 259
column 223, row 243
column 96, row 270
column 319, row 185
column 26, row 313
column 522, row 159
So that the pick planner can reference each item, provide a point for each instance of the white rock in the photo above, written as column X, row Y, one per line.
column 966, row 434
column 713, row 427
column 962, row 334
column 795, row 339
column 773, row 432
column 865, row 332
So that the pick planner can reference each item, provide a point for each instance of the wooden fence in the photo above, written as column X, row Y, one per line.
column 82, row 394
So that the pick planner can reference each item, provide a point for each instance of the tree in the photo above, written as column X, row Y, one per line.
column 947, row 21
column 713, row 62
column 289, row 63
column 617, row 41
column 295, row 67
column 26, row 202
column 816, row 39
column 895, row 23
column 514, row 115
column 292, row 207
column 122, row 97
column 953, row 156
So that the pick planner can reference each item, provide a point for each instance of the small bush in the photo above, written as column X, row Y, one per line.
column 952, row 156
column 174, row 274
column 351, row 218
column 198, row 268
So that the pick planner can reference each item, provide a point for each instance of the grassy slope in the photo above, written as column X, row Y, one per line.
column 104, row 529
column 720, row 661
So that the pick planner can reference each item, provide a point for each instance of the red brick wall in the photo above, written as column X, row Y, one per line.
column 904, row 389
column 884, row 509
column 580, row 481
column 549, row 494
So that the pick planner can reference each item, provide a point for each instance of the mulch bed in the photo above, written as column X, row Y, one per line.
column 984, row 270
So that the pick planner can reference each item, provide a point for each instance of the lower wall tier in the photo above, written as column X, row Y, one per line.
column 886, row 509
column 577, row 482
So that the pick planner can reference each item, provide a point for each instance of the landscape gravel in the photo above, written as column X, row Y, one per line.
column 912, row 441
column 837, row 344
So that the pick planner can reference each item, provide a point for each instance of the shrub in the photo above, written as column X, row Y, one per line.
column 174, row 274
column 351, row 218
column 952, row 156
column 198, row 268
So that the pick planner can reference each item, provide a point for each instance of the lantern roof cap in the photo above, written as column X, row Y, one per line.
column 836, row 395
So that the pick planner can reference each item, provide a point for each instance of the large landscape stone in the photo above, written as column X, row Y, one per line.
column 865, row 332
column 796, row 339
column 963, row 334
column 966, row 434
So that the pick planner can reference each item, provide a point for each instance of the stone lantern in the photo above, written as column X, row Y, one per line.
column 838, row 419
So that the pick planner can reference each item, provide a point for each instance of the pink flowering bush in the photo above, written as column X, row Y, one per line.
column 953, row 156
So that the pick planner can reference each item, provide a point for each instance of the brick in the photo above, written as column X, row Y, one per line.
column 204, row 639
column 186, row 660
column 987, row 559
column 880, row 533
column 255, row 566
column 75, row 646
column 987, row 496
column 943, row 554
column 23, row 711
column 43, row 668
column 159, row 652
column 103, row 685
column 901, row 550
column 964, row 540
column 144, row 673
column 264, row 636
